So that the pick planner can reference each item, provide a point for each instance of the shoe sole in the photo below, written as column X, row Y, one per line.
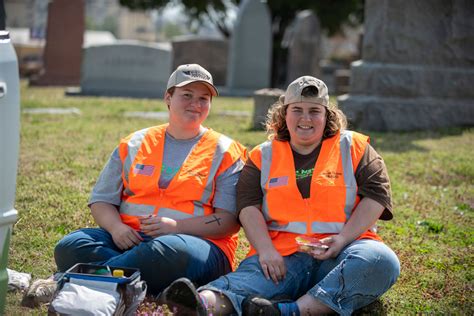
column 182, row 298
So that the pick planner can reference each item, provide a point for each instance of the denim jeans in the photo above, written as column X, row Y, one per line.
column 161, row 260
column 362, row 272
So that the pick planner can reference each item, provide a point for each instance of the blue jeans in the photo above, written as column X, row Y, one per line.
column 362, row 272
column 161, row 260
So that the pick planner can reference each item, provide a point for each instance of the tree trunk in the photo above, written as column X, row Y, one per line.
column 3, row 15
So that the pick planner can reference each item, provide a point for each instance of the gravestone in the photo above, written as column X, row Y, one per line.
column 303, row 42
column 328, row 73
column 63, row 50
column 342, row 79
column 250, row 56
column 211, row 53
column 164, row 116
column 263, row 99
column 127, row 69
column 417, row 66
column 53, row 111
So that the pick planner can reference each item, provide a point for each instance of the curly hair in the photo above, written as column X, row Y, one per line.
column 276, row 119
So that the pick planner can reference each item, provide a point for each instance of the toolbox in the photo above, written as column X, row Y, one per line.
column 102, row 273
column 122, row 285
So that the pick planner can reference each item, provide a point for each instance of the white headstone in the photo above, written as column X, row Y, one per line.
column 148, row 115
column 126, row 68
column 250, row 56
column 53, row 111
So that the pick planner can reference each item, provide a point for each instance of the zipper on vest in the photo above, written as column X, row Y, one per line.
column 161, row 195
column 308, row 212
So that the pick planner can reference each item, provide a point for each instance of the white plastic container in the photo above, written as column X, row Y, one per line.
column 9, row 147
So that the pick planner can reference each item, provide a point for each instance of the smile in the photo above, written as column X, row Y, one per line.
column 305, row 127
column 194, row 111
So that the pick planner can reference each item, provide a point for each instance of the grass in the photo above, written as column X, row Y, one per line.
column 432, row 176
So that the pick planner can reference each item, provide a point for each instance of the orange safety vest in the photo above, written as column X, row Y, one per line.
column 190, row 192
column 333, row 195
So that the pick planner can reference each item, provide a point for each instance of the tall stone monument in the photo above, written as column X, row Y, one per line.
column 250, row 56
column 417, row 67
column 63, row 51
column 303, row 43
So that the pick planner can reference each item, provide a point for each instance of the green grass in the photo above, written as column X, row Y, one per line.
column 432, row 176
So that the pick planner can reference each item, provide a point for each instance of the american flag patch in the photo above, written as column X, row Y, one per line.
column 145, row 170
column 278, row 182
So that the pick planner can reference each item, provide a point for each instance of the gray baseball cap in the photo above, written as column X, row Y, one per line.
column 186, row 74
column 293, row 92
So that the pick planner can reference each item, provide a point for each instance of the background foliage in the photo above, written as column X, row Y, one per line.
column 332, row 15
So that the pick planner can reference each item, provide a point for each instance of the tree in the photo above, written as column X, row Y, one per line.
column 331, row 13
column 199, row 11
column 3, row 15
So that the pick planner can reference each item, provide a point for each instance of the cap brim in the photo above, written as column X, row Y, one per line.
column 313, row 100
column 211, row 87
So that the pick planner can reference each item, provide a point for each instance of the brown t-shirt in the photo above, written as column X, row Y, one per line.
column 371, row 176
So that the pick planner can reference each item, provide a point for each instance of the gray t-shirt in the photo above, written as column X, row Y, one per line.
column 109, row 186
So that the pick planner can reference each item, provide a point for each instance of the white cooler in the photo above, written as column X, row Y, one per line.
column 9, row 147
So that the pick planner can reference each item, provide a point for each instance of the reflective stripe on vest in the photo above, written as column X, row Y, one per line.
column 348, row 172
column 345, row 142
column 143, row 210
column 133, row 146
column 174, row 214
column 295, row 227
column 223, row 145
column 266, row 150
column 136, row 209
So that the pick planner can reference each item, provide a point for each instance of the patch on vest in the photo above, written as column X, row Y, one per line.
column 278, row 182
column 144, row 170
column 332, row 174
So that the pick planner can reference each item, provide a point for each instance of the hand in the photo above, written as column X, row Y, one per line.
column 125, row 237
column 273, row 265
column 336, row 243
column 155, row 226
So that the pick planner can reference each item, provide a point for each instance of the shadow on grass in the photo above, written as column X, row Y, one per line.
column 376, row 308
column 400, row 142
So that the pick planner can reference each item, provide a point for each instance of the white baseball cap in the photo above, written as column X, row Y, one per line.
column 186, row 74
column 293, row 92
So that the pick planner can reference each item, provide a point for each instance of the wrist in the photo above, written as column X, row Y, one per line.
column 346, row 238
column 263, row 249
column 113, row 229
